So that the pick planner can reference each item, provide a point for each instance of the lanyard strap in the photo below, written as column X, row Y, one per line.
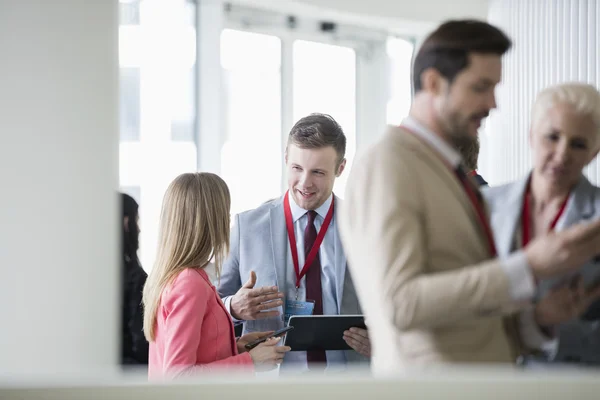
column 526, row 216
column 470, row 192
column 289, row 222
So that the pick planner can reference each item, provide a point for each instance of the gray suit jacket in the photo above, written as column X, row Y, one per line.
column 579, row 340
column 259, row 243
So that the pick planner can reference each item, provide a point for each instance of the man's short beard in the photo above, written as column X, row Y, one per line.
column 468, row 147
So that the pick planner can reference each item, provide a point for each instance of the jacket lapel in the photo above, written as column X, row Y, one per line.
column 279, row 243
column 435, row 161
column 339, row 257
column 580, row 206
column 505, row 221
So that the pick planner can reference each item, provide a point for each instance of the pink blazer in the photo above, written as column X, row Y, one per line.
column 194, row 332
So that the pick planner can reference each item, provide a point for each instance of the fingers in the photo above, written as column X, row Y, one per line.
column 584, row 231
column 361, row 332
column 251, row 281
column 266, row 314
column 264, row 298
column 280, row 353
column 586, row 239
column 255, row 335
column 270, row 342
column 352, row 342
column 249, row 337
column 357, row 345
column 268, row 306
column 257, row 301
column 265, row 290
column 356, row 338
column 262, row 334
column 283, row 349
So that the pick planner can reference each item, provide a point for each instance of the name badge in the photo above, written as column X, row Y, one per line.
column 295, row 307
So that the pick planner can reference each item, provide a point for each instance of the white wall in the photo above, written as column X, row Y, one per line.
column 554, row 41
column 58, row 203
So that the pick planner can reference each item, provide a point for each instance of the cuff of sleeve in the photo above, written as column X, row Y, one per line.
column 521, row 282
column 248, row 363
column 533, row 337
column 227, row 304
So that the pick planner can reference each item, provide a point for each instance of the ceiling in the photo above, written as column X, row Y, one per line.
column 413, row 17
column 422, row 10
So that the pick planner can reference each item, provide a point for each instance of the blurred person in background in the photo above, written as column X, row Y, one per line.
column 564, row 138
column 185, row 321
column 421, row 250
column 134, row 346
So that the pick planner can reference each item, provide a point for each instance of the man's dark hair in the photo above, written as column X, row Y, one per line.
column 319, row 130
column 130, row 236
column 447, row 49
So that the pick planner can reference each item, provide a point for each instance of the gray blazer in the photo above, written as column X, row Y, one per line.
column 259, row 242
column 580, row 339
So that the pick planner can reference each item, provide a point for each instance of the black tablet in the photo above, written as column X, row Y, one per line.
column 321, row 332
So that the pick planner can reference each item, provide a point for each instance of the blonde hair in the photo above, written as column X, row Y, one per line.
column 584, row 98
column 194, row 228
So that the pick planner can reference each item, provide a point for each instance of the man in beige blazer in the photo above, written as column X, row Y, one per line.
column 416, row 232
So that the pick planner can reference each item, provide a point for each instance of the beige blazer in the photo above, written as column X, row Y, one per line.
column 420, row 261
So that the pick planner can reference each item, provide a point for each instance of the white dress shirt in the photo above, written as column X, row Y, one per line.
column 516, row 267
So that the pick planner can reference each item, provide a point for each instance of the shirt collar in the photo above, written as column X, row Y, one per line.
column 298, row 212
column 450, row 154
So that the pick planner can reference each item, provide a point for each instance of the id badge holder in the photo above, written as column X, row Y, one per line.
column 295, row 307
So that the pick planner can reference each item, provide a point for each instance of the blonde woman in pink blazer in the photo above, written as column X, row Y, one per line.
column 188, row 328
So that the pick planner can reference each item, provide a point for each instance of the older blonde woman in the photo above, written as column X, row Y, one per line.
column 564, row 137
column 185, row 321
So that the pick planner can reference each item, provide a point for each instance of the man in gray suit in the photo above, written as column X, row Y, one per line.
column 271, row 247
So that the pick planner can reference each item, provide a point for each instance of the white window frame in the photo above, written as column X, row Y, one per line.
column 372, row 65
column 372, row 72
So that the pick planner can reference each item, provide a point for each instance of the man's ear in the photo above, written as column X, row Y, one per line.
column 432, row 81
column 126, row 224
column 341, row 168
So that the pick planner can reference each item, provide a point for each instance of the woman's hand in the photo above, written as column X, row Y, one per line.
column 249, row 338
column 268, row 355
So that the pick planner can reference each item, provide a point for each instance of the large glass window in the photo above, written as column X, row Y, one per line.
column 325, row 82
column 157, row 55
column 400, row 52
column 251, row 158
column 273, row 76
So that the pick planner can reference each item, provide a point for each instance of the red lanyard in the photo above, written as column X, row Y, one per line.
column 525, row 218
column 289, row 222
column 477, row 205
column 481, row 214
